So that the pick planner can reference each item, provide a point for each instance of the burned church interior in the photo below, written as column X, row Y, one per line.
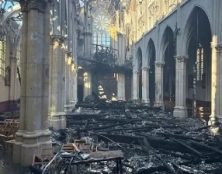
column 110, row 87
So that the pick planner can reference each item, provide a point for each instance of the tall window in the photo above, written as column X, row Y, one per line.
column 2, row 55
column 200, row 64
column 101, row 35
column 101, row 38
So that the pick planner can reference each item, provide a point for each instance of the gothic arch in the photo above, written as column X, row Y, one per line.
column 188, row 29
column 167, row 54
column 139, row 63
column 197, row 39
column 151, row 62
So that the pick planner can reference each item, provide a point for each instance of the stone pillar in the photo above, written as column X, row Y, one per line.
column 145, row 86
column 57, row 83
column 87, row 80
column 159, row 84
column 69, row 83
column 67, row 77
column 73, row 84
column 180, row 109
column 216, row 84
column 121, row 87
column 13, row 81
column 71, row 93
column 33, row 136
column 135, row 85
column 218, row 103
column 87, row 44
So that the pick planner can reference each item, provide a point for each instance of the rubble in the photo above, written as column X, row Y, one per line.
column 131, row 139
column 152, row 141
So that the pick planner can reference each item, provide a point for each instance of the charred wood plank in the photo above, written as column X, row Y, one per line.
column 206, row 147
column 192, row 150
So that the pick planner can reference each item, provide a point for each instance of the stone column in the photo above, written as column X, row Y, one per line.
column 12, row 78
column 121, row 87
column 145, row 86
column 69, row 82
column 57, row 83
column 75, row 65
column 216, row 84
column 180, row 109
column 73, row 84
column 67, row 76
column 87, row 80
column 33, row 136
column 135, row 85
column 87, row 44
column 218, row 103
column 159, row 84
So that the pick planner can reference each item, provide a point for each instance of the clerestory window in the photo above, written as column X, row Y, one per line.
column 200, row 64
column 2, row 56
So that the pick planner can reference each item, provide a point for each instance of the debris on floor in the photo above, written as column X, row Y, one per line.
column 123, row 138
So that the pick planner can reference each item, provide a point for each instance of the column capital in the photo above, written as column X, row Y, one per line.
column 135, row 71
column 216, row 45
column 159, row 64
column 219, row 47
column 57, row 38
column 181, row 59
column 69, row 54
column 39, row 5
column 146, row 68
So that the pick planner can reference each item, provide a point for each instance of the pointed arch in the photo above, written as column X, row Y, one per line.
column 192, row 22
column 197, row 46
column 139, row 59
column 151, row 62
column 169, row 69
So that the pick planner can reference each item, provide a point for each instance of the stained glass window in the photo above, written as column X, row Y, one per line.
column 2, row 56
column 100, row 31
column 7, row 5
column 200, row 62
column 101, row 23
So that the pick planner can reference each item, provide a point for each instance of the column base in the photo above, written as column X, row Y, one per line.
column 69, row 107
column 27, row 144
column 214, row 120
column 180, row 112
column 146, row 103
column 159, row 104
column 136, row 101
column 58, row 120
column 121, row 98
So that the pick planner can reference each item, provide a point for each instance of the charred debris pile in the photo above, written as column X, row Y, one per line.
column 127, row 138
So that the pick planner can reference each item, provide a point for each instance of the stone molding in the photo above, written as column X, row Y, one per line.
column 89, row 33
column 219, row 47
column 39, row 5
column 181, row 59
column 57, row 38
column 136, row 72
column 216, row 45
column 159, row 64
column 69, row 54
column 145, row 68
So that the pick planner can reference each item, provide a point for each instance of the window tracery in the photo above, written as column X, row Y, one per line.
column 2, row 55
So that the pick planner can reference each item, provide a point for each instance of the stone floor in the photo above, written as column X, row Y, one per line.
column 7, row 168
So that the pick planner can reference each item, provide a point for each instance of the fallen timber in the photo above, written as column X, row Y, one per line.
column 179, row 140
column 150, row 141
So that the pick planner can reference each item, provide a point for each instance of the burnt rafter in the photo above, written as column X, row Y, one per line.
column 105, row 59
column 105, row 55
